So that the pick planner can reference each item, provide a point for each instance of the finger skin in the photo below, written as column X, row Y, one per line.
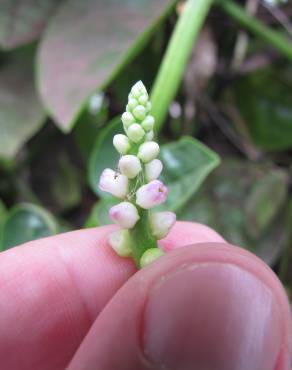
column 117, row 338
column 52, row 290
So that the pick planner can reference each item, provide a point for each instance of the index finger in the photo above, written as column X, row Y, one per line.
column 52, row 290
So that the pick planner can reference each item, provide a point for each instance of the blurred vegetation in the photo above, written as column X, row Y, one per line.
column 220, row 73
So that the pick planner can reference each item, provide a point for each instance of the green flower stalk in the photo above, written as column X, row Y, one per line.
column 136, row 184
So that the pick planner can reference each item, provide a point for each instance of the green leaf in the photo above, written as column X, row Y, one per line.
column 222, row 204
column 99, row 214
column 25, row 222
column 267, row 111
column 86, row 44
column 186, row 163
column 22, row 21
column 259, row 208
column 21, row 113
column 104, row 154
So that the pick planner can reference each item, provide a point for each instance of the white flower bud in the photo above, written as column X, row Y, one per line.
column 150, row 255
column 148, row 151
column 138, row 89
column 139, row 112
column 127, row 119
column 120, row 241
column 148, row 106
column 161, row 223
column 153, row 169
column 132, row 103
column 124, row 214
column 114, row 183
column 121, row 143
column 143, row 99
column 135, row 132
column 130, row 166
column 151, row 194
column 149, row 136
column 148, row 123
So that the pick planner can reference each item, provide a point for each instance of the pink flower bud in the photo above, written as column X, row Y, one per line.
column 161, row 223
column 114, row 183
column 153, row 169
column 151, row 194
column 124, row 214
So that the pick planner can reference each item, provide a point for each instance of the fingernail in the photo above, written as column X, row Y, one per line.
column 212, row 316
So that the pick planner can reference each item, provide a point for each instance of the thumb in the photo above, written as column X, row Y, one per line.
column 208, row 306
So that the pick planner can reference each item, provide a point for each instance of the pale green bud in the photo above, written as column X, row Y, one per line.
column 138, row 89
column 121, row 143
column 148, row 151
column 148, row 106
column 130, row 166
column 120, row 241
column 150, row 255
column 132, row 103
column 148, row 123
column 143, row 99
column 149, row 136
column 127, row 119
column 139, row 112
column 135, row 133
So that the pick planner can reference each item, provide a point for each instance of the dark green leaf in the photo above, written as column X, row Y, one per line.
column 26, row 222
column 22, row 21
column 186, row 163
column 21, row 113
column 86, row 45
column 264, row 100
column 223, row 201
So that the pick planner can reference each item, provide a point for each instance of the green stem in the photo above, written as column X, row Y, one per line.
column 176, row 57
column 281, row 43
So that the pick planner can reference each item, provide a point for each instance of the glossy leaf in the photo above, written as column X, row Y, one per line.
column 22, row 21
column 232, row 202
column 25, row 222
column 186, row 163
column 264, row 100
column 86, row 44
column 104, row 154
column 21, row 113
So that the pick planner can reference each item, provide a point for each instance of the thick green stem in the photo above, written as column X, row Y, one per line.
column 176, row 57
column 281, row 43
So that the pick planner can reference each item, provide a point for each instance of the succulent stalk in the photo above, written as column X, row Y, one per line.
column 136, row 183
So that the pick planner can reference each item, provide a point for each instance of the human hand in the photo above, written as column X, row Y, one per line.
column 69, row 302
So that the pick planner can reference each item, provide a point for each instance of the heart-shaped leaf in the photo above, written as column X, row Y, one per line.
column 22, row 21
column 186, row 164
column 86, row 44
column 25, row 222
column 21, row 113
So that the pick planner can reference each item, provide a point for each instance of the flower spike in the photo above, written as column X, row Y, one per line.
column 136, row 183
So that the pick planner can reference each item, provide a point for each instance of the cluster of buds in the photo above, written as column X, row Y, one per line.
column 136, row 184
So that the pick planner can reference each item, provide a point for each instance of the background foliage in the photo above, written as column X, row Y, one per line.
column 222, row 98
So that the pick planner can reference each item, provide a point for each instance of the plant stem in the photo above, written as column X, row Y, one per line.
column 176, row 57
column 281, row 43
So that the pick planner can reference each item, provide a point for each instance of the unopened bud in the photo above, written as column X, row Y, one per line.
column 124, row 214
column 127, row 119
column 148, row 151
column 150, row 255
column 148, row 123
column 151, row 194
column 153, row 169
column 120, row 241
column 114, row 183
column 121, row 143
column 130, row 166
column 139, row 112
column 135, row 132
column 161, row 223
